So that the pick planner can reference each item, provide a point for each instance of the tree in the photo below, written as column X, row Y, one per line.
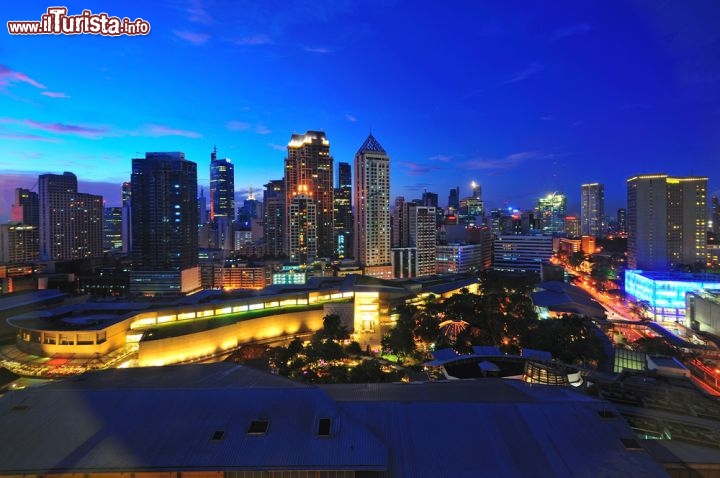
column 333, row 328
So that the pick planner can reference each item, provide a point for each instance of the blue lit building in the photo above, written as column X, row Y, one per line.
column 665, row 291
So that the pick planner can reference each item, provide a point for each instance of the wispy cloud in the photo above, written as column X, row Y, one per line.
column 92, row 132
column 312, row 49
column 9, row 76
column 508, row 162
column 278, row 147
column 415, row 169
column 197, row 12
column 443, row 158
column 195, row 38
column 531, row 70
column 156, row 130
column 55, row 94
column 29, row 137
column 572, row 30
column 235, row 125
column 350, row 118
column 254, row 40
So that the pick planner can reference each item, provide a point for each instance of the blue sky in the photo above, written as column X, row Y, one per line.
column 524, row 97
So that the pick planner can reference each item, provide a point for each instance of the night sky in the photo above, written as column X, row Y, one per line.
column 524, row 97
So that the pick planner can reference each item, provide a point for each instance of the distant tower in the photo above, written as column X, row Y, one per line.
column 202, row 208
column 26, row 209
column 165, row 224
column 716, row 215
column 309, row 176
column 592, row 209
column 666, row 221
column 372, row 209
column 222, row 187
column 126, row 194
column 622, row 220
column 551, row 211
column 274, row 217
column 70, row 222
column 454, row 200
column 344, row 226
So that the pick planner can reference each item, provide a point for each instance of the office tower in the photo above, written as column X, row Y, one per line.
column 522, row 253
column 70, row 222
column 422, row 236
column 715, row 215
column 26, row 208
column 19, row 243
column 222, row 187
column 202, row 208
column 372, row 209
column 112, row 229
column 126, row 193
column 344, row 226
column 164, row 224
column 454, row 200
column 666, row 221
column 551, row 211
column 309, row 175
column 592, row 209
column 622, row 220
column 303, row 228
column 429, row 199
column 476, row 190
column 274, row 217
column 572, row 226
column 399, row 223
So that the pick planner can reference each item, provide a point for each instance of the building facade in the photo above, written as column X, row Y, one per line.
column 164, row 224
column 26, row 208
column 222, row 188
column 309, row 172
column 70, row 221
column 550, row 212
column 372, row 209
column 592, row 209
column 344, row 223
column 274, row 217
column 667, row 221
column 522, row 253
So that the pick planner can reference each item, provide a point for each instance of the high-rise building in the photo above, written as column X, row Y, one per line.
column 19, row 243
column 202, row 208
column 112, row 229
column 572, row 226
column 592, row 209
column 551, row 212
column 26, row 208
column 399, row 223
column 126, row 194
column 165, row 219
column 344, row 226
column 522, row 253
column 622, row 220
column 274, row 217
column 309, row 174
column 454, row 200
column 666, row 220
column 303, row 228
column 372, row 209
column 423, row 231
column 715, row 215
column 70, row 222
column 222, row 187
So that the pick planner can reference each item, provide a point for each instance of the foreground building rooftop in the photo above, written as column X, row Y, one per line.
column 224, row 417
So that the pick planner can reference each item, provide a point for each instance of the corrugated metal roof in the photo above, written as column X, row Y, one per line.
column 164, row 419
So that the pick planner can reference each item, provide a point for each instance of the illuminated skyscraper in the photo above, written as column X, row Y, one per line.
column 454, row 200
column 309, row 174
column 715, row 211
column 592, row 209
column 622, row 220
column 344, row 227
column 126, row 217
column 667, row 221
column 112, row 229
column 70, row 222
column 274, row 217
column 550, row 213
column 372, row 209
column 164, row 224
column 222, row 187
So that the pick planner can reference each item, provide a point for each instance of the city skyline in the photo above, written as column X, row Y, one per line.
column 525, row 101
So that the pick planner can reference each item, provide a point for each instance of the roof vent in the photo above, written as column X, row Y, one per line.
column 258, row 427
column 324, row 427
column 218, row 435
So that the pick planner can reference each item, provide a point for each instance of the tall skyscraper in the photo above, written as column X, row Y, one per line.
column 454, row 200
column 164, row 224
column 622, row 220
column 70, row 222
column 202, row 208
column 26, row 208
column 222, row 187
column 667, row 221
column 715, row 214
column 372, row 209
column 592, row 209
column 126, row 217
column 274, row 217
column 344, row 226
column 309, row 175
column 112, row 229
column 550, row 212
column 399, row 223
column 422, row 230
